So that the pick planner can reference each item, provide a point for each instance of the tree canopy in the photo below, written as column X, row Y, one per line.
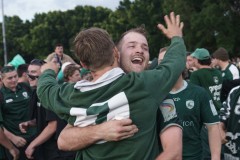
column 207, row 24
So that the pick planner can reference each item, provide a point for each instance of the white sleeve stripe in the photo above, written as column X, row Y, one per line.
column 235, row 73
column 212, row 123
column 170, row 125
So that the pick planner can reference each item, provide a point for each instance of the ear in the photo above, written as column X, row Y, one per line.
column 116, row 53
column 83, row 65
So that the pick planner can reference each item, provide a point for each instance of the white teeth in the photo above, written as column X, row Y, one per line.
column 137, row 59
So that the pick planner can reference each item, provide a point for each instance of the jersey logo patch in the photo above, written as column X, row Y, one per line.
column 189, row 104
column 25, row 95
column 168, row 109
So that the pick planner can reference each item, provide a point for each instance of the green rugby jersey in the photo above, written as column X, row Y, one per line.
column 15, row 109
column 135, row 95
column 230, row 116
column 194, row 107
column 211, row 80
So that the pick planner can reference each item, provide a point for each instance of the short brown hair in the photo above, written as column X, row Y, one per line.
column 94, row 47
column 69, row 71
column 141, row 30
column 58, row 45
column 221, row 53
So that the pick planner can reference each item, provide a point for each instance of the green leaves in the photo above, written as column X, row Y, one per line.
column 207, row 23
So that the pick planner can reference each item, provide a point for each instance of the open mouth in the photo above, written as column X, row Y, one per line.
column 137, row 60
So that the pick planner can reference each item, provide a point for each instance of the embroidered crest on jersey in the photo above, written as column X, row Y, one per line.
column 168, row 109
column 189, row 104
column 25, row 95
column 215, row 80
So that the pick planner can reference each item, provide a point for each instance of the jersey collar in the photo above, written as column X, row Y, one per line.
column 184, row 86
column 105, row 79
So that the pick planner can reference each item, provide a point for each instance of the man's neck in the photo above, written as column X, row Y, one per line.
column 97, row 74
column 101, row 71
column 223, row 65
column 178, row 85
column 204, row 66
column 60, row 55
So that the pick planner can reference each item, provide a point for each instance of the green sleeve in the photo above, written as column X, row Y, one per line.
column 168, row 71
column 209, row 114
column 50, row 95
column 43, row 94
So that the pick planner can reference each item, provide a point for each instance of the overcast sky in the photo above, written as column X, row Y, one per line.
column 26, row 9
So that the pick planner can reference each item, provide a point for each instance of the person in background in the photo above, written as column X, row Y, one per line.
column 60, row 76
column 190, row 62
column 5, row 142
column 71, row 73
column 44, row 146
column 58, row 56
column 210, row 79
column 189, row 67
column 22, row 73
column 195, row 108
column 206, row 76
column 230, row 118
column 15, row 110
column 221, row 58
column 230, row 72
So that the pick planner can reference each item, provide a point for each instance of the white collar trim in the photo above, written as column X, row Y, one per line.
column 105, row 79
column 184, row 86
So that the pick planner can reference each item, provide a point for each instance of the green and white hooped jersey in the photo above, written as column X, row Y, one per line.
column 194, row 107
column 116, row 95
